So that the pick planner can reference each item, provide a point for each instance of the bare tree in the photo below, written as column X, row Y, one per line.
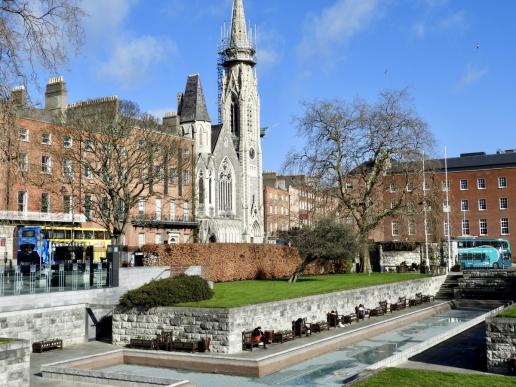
column 116, row 156
column 35, row 33
column 351, row 147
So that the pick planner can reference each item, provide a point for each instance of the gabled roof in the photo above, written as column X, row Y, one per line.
column 193, row 106
column 215, row 133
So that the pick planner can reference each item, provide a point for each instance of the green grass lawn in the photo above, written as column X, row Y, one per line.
column 510, row 312
column 240, row 293
column 411, row 378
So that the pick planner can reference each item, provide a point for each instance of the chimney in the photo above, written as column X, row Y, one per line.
column 171, row 122
column 179, row 103
column 19, row 96
column 55, row 94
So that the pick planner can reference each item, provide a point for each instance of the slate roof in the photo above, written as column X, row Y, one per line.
column 193, row 107
column 215, row 133
column 479, row 161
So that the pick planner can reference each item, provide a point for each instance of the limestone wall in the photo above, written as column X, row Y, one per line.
column 226, row 325
column 501, row 343
column 66, row 322
column 15, row 363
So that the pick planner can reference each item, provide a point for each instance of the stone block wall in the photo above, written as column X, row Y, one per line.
column 15, row 363
column 501, row 343
column 225, row 326
column 235, row 261
column 487, row 285
column 66, row 322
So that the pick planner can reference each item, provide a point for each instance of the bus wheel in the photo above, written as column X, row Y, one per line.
column 496, row 266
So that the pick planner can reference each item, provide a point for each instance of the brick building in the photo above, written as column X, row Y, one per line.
column 48, row 201
column 482, row 200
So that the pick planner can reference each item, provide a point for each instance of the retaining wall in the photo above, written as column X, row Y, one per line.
column 15, row 363
column 501, row 344
column 225, row 326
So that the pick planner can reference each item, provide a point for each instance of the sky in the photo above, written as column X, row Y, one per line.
column 456, row 59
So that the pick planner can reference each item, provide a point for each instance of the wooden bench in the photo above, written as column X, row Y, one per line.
column 163, row 341
column 427, row 298
column 248, row 341
column 301, row 327
column 385, row 306
column 47, row 345
column 190, row 346
column 333, row 319
column 143, row 343
column 378, row 311
column 283, row 336
column 320, row 326
column 401, row 304
column 362, row 314
column 416, row 301
column 349, row 318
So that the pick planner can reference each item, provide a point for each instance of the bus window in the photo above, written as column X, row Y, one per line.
column 88, row 234
column 100, row 235
column 77, row 234
column 28, row 233
column 67, row 234
column 58, row 234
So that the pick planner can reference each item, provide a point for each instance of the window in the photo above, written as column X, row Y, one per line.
column 482, row 225
column 393, row 205
column 226, row 187
column 481, row 183
column 141, row 239
column 349, row 186
column 186, row 212
column 409, row 187
column 46, row 164
column 141, row 206
column 88, row 207
column 446, row 228
column 393, row 187
column 88, row 172
column 46, row 138
column 428, row 227
column 464, row 205
column 482, row 206
column 504, row 204
column 22, row 201
column 157, row 239
column 445, row 185
column 89, row 146
column 395, row 228
column 172, row 175
column 411, row 227
column 504, row 226
column 23, row 162
column 426, row 185
column 67, row 204
column 23, row 134
column 67, row 141
column 158, row 209
column 67, row 169
column 45, row 203
column 465, row 227
column 463, row 184
column 186, row 153
column 172, row 210
column 186, row 177
column 502, row 182
column 186, row 238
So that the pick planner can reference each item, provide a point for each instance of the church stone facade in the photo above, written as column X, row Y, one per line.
column 228, row 159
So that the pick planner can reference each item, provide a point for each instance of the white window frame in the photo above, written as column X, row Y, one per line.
column 67, row 142
column 465, row 186
column 481, row 179
column 482, row 227
column 89, row 145
column 500, row 180
column 506, row 226
column 23, row 162
column 23, row 134
column 485, row 204
column 464, row 205
column 157, row 238
column 46, row 167
column 24, row 202
column 158, row 209
column 505, row 201
column 172, row 210
column 411, row 228
column 465, row 227
column 445, row 224
column 445, row 185
column 141, row 239
column 141, row 206
column 47, row 203
column 395, row 228
column 48, row 141
column 393, row 187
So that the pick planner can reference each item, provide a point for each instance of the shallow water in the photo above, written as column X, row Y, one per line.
column 332, row 368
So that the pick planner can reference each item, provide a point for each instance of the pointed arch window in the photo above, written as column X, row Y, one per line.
column 226, row 187
column 201, row 189
column 235, row 116
column 250, row 117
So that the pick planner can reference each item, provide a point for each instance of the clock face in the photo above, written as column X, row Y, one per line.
column 252, row 153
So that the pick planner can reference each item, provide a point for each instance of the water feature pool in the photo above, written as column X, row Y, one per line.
column 332, row 368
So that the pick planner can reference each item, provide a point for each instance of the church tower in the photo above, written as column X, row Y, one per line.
column 240, row 118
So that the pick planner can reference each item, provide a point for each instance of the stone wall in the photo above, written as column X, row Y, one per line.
column 66, row 322
column 15, row 363
column 226, row 325
column 234, row 261
column 395, row 258
column 487, row 285
column 501, row 343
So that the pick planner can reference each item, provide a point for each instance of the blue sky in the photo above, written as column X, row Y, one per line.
column 457, row 59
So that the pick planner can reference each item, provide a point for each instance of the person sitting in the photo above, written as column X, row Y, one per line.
column 362, row 311
column 259, row 337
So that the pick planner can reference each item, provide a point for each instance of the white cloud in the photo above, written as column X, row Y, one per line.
column 471, row 76
column 131, row 60
column 457, row 20
column 270, row 44
column 336, row 25
column 420, row 29
column 105, row 16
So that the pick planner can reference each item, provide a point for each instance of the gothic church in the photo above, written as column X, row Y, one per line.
column 228, row 181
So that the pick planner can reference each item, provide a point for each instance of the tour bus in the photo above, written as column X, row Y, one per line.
column 44, row 245
column 484, row 253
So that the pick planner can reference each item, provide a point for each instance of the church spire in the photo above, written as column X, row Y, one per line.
column 238, row 26
column 239, row 47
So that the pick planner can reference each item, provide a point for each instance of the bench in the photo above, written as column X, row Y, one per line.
column 248, row 341
column 190, row 346
column 378, row 311
column 283, row 336
column 163, row 341
column 301, row 327
column 320, row 326
column 416, row 301
column 427, row 298
column 333, row 319
column 401, row 304
column 361, row 314
column 47, row 345
column 385, row 306
column 349, row 318
column 143, row 343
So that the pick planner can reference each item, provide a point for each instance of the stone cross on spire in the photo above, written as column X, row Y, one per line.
column 238, row 26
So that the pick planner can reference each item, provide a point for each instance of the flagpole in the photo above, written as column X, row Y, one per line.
column 450, row 258
column 427, row 262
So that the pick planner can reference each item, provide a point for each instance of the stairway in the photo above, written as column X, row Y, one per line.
column 446, row 290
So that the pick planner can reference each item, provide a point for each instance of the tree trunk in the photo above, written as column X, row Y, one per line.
column 365, row 259
column 300, row 269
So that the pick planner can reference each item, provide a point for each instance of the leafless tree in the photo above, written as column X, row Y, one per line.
column 36, row 33
column 117, row 157
column 349, row 150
